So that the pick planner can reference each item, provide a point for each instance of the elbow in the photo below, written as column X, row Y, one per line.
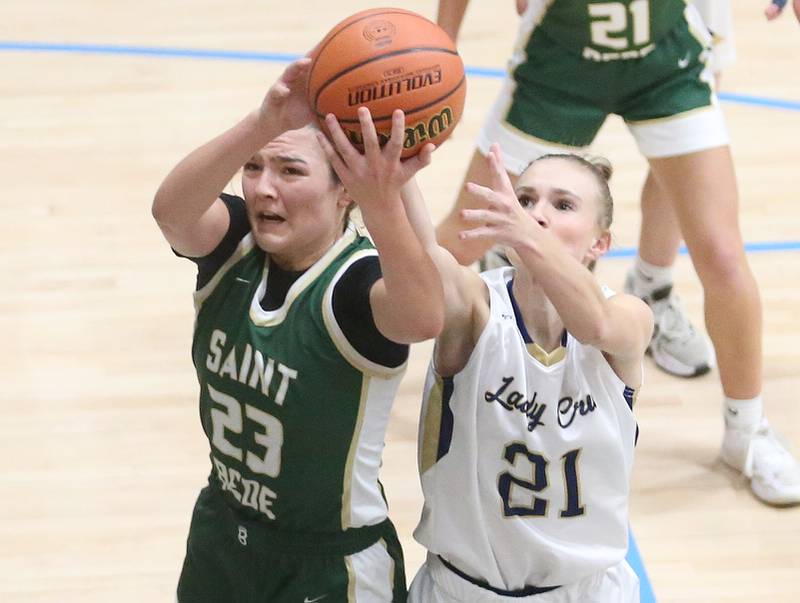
column 592, row 333
column 162, row 214
column 428, row 327
column 434, row 325
column 158, row 209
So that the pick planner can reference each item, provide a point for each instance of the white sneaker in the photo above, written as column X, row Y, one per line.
column 773, row 472
column 676, row 347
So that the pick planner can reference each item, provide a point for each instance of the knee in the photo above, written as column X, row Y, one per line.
column 721, row 264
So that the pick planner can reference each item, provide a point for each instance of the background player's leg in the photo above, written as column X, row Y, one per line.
column 677, row 347
column 660, row 233
column 707, row 209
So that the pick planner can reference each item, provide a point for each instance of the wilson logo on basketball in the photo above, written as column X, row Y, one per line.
column 437, row 125
column 407, row 83
column 380, row 32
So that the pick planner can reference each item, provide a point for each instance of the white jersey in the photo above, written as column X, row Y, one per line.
column 525, row 457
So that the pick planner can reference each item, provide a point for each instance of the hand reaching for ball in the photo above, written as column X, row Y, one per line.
column 286, row 105
column 377, row 175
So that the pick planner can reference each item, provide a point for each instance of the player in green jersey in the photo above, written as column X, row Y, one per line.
column 301, row 338
column 577, row 61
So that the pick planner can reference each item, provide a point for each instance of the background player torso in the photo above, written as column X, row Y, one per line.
column 592, row 28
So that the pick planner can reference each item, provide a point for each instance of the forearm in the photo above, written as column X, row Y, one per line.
column 450, row 15
column 413, row 308
column 417, row 214
column 447, row 265
column 195, row 183
column 571, row 288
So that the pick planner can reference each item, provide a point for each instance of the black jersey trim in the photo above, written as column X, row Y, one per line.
column 338, row 336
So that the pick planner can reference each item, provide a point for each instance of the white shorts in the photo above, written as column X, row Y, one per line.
column 434, row 583
column 681, row 134
column 563, row 114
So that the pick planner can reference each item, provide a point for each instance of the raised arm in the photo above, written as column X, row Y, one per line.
column 407, row 302
column 620, row 325
column 450, row 15
column 465, row 294
column 187, row 207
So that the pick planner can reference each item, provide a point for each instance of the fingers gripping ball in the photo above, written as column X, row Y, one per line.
column 387, row 59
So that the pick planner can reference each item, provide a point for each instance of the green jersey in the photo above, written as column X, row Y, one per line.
column 295, row 416
column 604, row 31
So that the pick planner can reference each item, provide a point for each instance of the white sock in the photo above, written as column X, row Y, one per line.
column 649, row 277
column 743, row 415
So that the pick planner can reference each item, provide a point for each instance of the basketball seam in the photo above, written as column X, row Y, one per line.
column 420, row 108
column 334, row 32
column 372, row 59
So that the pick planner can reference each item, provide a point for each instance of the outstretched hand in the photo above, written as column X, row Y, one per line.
column 503, row 220
column 285, row 106
column 378, row 174
column 775, row 8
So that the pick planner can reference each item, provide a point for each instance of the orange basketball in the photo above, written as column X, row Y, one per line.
column 387, row 59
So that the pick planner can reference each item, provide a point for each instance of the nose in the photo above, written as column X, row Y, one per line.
column 265, row 186
column 539, row 213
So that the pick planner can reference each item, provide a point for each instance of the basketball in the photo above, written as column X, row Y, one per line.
column 386, row 59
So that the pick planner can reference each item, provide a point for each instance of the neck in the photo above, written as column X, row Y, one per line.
column 302, row 259
column 541, row 319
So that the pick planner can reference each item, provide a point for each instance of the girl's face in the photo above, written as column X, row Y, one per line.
column 563, row 197
column 294, row 206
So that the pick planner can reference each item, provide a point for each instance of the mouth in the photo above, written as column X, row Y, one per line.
column 266, row 217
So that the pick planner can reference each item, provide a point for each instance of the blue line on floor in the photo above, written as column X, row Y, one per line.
column 273, row 57
column 231, row 55
column 635, row 560
column 762, row 247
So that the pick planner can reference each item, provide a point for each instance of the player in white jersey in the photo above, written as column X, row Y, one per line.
column 527, row 433
column 528, row 430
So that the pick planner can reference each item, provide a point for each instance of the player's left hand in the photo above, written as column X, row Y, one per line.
column 379, row 173
column 503, row 220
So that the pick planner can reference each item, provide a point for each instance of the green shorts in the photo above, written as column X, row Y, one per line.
column 234, row 560
column 557, row 100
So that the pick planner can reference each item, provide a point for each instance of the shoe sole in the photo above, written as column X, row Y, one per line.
column 676, row 368
column 754, row 489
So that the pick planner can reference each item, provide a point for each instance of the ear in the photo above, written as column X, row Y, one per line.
column 599, row 247
column 344, row 200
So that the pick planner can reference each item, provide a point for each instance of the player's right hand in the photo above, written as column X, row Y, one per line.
column 286, row 104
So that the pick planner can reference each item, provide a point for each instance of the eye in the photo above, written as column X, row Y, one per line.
column 251, row 166
column 292, row 171
column 526, row 200
column 565, row 205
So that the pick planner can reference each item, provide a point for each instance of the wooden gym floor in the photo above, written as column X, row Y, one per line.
column 101, row 451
